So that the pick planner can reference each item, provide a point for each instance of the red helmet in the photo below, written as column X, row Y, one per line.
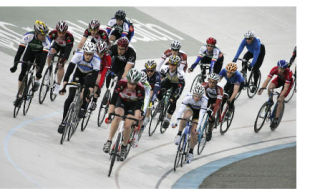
column 211, row 41
column 62, row 26
column 123, row 42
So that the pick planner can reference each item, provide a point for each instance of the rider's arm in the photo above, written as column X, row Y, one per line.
column 69, row 72
column 147, row 89
column 236, row 88
column 19, row 53
column 125, row 29
column 266, row 82
column 156, row 87
column 240, row 49
column 214, row 58
column 163, row 58
column 196, row 62
column 181, row 110
column 126, row 69
column 256, row 52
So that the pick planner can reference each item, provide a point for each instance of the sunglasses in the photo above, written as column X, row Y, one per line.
column 213, row 81
column 209, row 45
column 121, row 48
column 229, row 72
column 249, row 38
column 176, row 50
column 150, row 71
column 133, row 84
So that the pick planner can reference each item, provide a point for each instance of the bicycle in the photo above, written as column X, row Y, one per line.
column 25, row 92
column 225, row 121
column 87, row 116
column 202, row 140
column 266, row 113
column 104, row 105
column 249, row 84
column 49, row 80
column 71, row 120
column 114, row 153
column 200, row 77
column 184, row 145
column 162, row 109
column 293, row 89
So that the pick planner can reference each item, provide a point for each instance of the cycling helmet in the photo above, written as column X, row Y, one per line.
column 94, row 24
column 133, row 75
column 123, row 42
column 40, row 27
column 62, row 26
column 174, row 60
column 89, row 47
column 214, row 76
column 144, row 77
column 249, row 34
column 150, row 64
column 102, row 46
column 198, row 90
column 175, row 45
column 211, row 41
column 232, row 67
column 283, row 64
column 120, row 14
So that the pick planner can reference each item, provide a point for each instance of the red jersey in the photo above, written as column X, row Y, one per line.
column 64, row 41
column 128, row 95
column 286, row 76
column 101, row 35
column 104, row 67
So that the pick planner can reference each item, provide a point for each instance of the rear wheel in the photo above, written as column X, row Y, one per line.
column 114, row 153
column 261, row 117
column 44, row 87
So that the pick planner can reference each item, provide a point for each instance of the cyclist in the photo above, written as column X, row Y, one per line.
column 154, row 80
column 174, row 50
column 123, row 59
column 209, row 54
column 284, row 79
column 35, row 45
column 293, row 57
column 171, row 78
column 235, row 83
column 194, row 104
column 63, row 43
column 118, row 26
column 214, row 94
column 102, row 48
column 87, row 65
column 256, row 50
column 128, row 99
column 95, row 32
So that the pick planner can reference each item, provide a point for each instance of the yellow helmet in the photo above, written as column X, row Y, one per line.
column 232, row 67
column 150, row 64
column 174, row 60
column 40, row 27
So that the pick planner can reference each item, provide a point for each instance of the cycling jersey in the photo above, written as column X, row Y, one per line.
column 214, row 55
column 100, row 35
column 236, row 78
column 104, row 67
column 29, row 40
column 253, row 48
column 285, row 77
column 154, row 82
column 62, row 44
column 112, row 24
column 84, row 66
column 119, row 62
column 199, row 107
column 183, row 63
column 214, row 95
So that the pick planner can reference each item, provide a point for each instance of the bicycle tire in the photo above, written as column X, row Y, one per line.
column 52, row 95
column 280, row 117
column 228, row 121
column 85, row 120
column 67, row 120
column 179, row 153
column 195, row 81
column 44, row 88
column 29, row 96
column 203, row 140
column 104, row 106
column 266, row 110
column 186, row 147
column 152, row 130
column 291, row 93
column 251, row 95
column 162, row 130
column 23, row 90
column 114, row 153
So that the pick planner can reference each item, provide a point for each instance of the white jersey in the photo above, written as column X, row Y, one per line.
column 28, row 39
column 200, row 106
column 113, row 22
column 84, row 66
column 214, row 54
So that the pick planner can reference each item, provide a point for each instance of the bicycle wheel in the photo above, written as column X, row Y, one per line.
column 44, row 87
column 22, row 90
column 29, row 96
column 262, row 114
column 155, row 120
column 67, row 120
column 251, row 85
column 202, row 136
column 186, row 147
column 195, row 81
column 103, row 109
column 179, row 152
column 85, row 120
column 162, row 130
column 52, row 84
column 291, row 93
column 226, row 122
column 280, row 117
column 114, row 153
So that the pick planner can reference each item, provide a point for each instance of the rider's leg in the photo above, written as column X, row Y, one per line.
column 194, row 138
column 187, row 114
column 218, row 65
column 258, row 64
column 127, row 126
column 247, row 56
column 115, row 122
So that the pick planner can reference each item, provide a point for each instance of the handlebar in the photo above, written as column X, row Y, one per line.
column 28, row 63
column 125, row 117
column 75, row 84
column 245, row 61
column 206, row 66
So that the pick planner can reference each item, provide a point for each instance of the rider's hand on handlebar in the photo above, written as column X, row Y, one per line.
column 260, row 91
column 174, row 125
column 190, row 70
column 63, row 90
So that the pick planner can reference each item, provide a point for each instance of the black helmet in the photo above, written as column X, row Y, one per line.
column 120, row 14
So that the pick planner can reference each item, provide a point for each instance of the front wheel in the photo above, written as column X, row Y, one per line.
column 114, row 153
column 196, row 80
column 29, row 96
column 261, row 117
column 226, row 121
column 155, row 121
column 85, row 120
column 103, row 109
column 44, row 87
column 252, row 88
column 179, row 153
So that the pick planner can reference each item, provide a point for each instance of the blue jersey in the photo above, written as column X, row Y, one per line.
column 154, row 82
column 253, row 48
column 237, row 78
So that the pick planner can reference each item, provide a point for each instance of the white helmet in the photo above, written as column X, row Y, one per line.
column 144, row 77
column 175, row 45
column 102, row 46
column 214, row 76
column 198, row 90
column 89, row 47
column 249, row 34
column 133, row 75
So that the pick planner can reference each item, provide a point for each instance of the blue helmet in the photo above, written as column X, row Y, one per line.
column 283, row 64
